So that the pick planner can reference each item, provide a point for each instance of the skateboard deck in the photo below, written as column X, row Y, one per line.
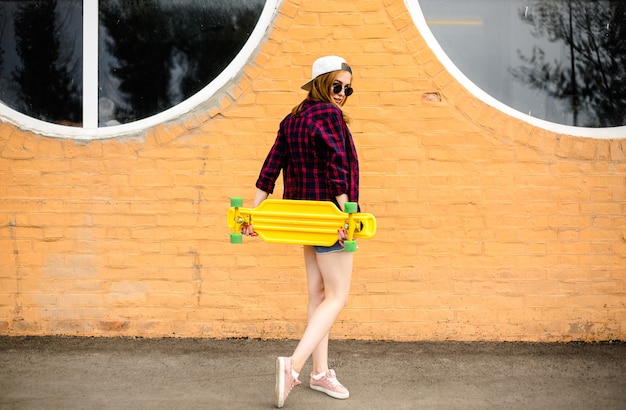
column 301, row 222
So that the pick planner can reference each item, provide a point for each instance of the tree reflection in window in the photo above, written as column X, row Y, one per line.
column 592, row 76
column 558, row 60
column 41, row 72
column 152, row 54
column 159, row 53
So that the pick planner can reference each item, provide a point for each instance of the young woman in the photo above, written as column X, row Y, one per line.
column 315, row 151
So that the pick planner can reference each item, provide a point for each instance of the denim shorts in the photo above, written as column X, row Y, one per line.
column 328, row 249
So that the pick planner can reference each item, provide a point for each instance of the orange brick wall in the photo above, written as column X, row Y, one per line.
column 489, row 228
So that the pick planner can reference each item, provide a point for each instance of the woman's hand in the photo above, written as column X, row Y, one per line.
column 260, row 196
column 248, row 230
column 342, row 235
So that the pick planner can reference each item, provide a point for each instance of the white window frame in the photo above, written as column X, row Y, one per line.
column 90, row 130
column 420, row 22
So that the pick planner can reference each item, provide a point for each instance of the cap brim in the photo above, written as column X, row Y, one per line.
column 307, row 86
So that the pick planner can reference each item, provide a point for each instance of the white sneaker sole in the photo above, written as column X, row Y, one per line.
column 280, row 383
column 331, row 393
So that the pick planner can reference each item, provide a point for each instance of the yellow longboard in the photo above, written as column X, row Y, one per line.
column 300, row 222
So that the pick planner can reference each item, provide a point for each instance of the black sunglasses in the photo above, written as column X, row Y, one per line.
column 348, row 90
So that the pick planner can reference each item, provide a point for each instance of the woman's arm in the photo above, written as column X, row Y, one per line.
column 260, row 196
column 341, row 200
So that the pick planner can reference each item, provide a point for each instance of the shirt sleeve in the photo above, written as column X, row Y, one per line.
column 331, row 129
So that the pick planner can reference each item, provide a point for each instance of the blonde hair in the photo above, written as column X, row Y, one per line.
column 320, row 90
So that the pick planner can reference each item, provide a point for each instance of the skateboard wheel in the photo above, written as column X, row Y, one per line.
column 236, row 201
column 236, row 238
column 349, row 246
column 350, row 207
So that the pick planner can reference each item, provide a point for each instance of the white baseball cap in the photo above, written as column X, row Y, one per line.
column 324, row 65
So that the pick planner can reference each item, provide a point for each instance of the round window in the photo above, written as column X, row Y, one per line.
column 561, row 61
column 92, row 65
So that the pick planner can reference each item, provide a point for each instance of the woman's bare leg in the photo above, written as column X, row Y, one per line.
column 335, row 270
column 316, row 296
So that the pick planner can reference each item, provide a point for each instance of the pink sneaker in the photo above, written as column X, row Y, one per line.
column 329, row 384
column 284, row 380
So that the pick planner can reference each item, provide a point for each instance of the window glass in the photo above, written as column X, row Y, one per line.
column 155, row 54
column 558, row 60
column 152, row 54
column 41, row 60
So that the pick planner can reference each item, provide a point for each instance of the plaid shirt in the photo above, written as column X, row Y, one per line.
column 316, row 153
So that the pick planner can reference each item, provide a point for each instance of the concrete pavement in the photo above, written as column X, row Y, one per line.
column 125, row 373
